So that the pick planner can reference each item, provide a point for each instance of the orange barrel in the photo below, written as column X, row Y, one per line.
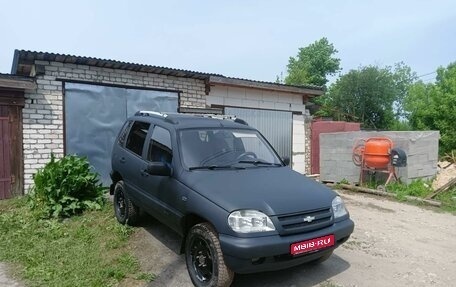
column 377, row 152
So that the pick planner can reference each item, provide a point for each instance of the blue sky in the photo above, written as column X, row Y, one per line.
column 248, row 39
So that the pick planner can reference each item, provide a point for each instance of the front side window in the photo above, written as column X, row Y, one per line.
column 160, row 146
column 214, row 148
column 137, row 137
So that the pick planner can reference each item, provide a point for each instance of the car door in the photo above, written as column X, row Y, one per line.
column 130, row 159
column 166, row 192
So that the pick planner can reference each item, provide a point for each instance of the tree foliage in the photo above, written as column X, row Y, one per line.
column 433, row 106
column 370, row 95
column 313, row 64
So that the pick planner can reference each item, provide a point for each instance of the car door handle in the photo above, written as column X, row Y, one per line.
column 144, row 173
column 122, row 160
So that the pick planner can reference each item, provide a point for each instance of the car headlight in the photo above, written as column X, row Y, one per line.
column 247, row 221
column 338, row 207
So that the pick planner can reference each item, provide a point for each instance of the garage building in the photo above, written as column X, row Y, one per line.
column 77, row 105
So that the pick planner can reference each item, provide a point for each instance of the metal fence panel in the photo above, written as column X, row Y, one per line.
column 276, row 126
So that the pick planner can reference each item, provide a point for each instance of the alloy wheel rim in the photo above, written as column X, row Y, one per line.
column 202, row 260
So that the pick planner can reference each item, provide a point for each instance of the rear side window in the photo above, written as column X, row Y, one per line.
column 123, row 133
column 137, row 137
column 160, row 146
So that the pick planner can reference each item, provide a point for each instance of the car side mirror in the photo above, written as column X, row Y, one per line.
column 158, row 168
column 286, row 160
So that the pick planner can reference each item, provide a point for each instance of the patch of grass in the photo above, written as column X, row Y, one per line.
column 328, row 283
column 422, row 188
column 148, row 277
column 85, row 250
column 418, row 188
column 448, row 199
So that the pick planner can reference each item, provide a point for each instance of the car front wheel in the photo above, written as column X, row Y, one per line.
column 204, row 257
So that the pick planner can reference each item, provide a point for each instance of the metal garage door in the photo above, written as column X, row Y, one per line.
column 94, row 114
column 276, row 126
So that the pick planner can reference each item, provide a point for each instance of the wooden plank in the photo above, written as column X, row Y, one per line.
column 3, row 186
column 443, row 188
column 5, row 154
column 17, row 84
column 17, row 167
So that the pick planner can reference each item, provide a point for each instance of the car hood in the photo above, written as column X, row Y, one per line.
column 272, row 190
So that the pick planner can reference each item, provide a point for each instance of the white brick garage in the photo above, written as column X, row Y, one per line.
column 44, row 117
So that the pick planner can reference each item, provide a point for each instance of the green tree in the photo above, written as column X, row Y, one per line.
column 371, row 95
column 433, row 106
column 313, row 64
column 403, row 79
column 365, row 95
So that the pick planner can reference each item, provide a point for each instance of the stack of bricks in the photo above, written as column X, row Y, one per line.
column 43, row 111
column 336, row 150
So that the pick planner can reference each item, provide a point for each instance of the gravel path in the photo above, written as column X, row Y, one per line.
column 5, row 279
column 394, row 244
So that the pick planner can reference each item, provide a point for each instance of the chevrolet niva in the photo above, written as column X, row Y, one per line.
column 221, row 186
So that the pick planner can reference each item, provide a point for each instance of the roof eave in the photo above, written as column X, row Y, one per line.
column 243, row 83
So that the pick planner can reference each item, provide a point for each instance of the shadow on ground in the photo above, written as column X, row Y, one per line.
column 158, row 250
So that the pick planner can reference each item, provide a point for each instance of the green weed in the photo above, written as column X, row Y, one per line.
column 65, row 187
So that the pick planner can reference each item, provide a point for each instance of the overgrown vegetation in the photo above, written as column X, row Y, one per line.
column 422, row 188
column 85, row 250
column 450, row 156
column 65, row 187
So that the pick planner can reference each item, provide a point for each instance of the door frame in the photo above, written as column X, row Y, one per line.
column 14, row 100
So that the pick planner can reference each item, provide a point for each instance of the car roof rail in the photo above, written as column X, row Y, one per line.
column 224, row 117
column 150, row 113
column 167, row 117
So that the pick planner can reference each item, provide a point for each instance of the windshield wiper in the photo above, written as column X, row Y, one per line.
column 257, row 162
column 212, row 167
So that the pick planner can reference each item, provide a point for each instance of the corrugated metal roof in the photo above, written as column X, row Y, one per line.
column 308, row 86
column 24, row 59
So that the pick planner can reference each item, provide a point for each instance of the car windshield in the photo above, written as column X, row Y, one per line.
column 225, row 148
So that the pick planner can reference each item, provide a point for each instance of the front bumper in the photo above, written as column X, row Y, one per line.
column 268, row 253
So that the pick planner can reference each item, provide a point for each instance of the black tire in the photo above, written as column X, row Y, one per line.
column 126, row 211
column 204, row 258
column 323, row 258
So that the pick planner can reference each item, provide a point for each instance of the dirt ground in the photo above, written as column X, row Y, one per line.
column 394, row 244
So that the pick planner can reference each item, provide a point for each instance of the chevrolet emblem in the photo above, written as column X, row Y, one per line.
column 309, row 218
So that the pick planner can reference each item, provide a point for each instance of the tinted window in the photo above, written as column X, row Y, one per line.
column 206, row 147
column 123, row 133
column 160, row 146
column 137, row 137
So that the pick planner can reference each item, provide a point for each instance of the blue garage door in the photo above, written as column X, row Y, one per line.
column 94, row 114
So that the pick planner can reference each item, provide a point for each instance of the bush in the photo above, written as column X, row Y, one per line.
column 65, row 187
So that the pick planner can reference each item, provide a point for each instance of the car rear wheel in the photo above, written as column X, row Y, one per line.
column 126, row 211
column 204, row 257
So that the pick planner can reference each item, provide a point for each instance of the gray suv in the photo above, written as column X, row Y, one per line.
column 221, row 186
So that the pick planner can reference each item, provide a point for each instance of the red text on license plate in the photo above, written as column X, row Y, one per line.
column 312, row 244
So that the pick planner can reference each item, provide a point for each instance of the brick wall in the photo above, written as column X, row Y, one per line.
column 43, row 111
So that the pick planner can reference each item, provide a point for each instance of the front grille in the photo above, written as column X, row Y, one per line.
column 295, row 223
